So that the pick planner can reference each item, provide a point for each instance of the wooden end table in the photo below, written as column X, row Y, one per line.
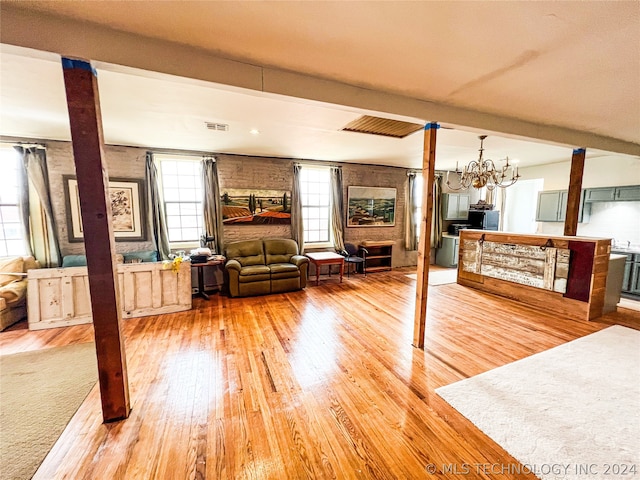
column 326, row 258
column 200, row 266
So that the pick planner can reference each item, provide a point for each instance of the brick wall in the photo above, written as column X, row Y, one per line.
column 122, row 162
column 235, row 171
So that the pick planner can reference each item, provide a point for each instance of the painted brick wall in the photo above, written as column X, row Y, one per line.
column 377, row 176
column 236, row 171
column 124, row 162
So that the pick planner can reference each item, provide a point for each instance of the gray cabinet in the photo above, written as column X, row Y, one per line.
column 628, row 193
column 631, row 278
column 552, row 207
column 634, row 288
column 613, row 194
column 549, row 206
column 600, row 194
column 447, row 256
column 455, row 206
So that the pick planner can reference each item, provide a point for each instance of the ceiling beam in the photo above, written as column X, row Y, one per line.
column 99, row 43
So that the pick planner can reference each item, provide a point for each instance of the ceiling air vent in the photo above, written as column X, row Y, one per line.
column 382, row 126
column 219, row 127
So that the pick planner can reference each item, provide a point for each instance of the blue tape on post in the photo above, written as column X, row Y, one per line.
column 69, row 63
column 429, row 126
column 578, row 151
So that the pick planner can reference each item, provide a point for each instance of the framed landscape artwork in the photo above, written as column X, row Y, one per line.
column 256, row 207
column 371, row 207
column 127, row 215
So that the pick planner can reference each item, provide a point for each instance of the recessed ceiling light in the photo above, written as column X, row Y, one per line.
column 254, row 131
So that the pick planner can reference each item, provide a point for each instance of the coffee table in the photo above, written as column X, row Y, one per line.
column 326, row 258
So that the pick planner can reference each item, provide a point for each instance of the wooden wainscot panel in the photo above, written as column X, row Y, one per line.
column 59, row 297
column 536, row 270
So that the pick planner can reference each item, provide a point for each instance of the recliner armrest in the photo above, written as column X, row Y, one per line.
column 298, row 260
column 233, row 265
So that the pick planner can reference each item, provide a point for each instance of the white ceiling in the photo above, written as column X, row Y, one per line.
column 573, row 65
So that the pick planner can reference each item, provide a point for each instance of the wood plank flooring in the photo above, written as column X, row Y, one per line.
column 321, row 383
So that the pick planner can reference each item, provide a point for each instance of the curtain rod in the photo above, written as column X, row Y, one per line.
column 317, row 163
column 38, row 145
column 28, row 144
column 415, row 172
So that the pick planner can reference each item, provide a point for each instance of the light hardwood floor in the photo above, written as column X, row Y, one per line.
column 321, row 383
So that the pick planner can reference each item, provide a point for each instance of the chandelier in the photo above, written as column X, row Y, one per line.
column 483, row 173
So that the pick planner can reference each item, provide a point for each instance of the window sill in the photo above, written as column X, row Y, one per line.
column 318, row 245
column 183, row 245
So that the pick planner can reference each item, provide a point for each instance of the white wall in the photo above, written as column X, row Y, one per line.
column 619, row 220
column 520, row 215
column 605, row 171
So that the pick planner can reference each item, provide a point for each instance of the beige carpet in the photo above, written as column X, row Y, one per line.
column 571, row 412
column 39, row 393
column 439, row 277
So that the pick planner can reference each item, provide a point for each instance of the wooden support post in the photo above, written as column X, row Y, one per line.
column 575, row 192
column 424, row 248
column 86, row 135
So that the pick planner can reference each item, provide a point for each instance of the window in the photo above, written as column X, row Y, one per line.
column 182, row 197
column 315, row 189
column 12, row 240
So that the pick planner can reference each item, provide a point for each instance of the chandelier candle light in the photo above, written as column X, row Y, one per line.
column 483, row 173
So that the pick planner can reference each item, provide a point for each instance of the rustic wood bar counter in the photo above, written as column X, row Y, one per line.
column 566, row 275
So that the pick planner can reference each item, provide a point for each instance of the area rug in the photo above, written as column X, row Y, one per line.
column 439, row 277
column 39, row 393
column 571, row 412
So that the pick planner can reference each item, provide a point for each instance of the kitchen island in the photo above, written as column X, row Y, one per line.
column 565, row 275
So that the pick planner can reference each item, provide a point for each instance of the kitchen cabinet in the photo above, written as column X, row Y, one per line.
column 613, row 194
column 549, row 204
column 634, row 286
column 552, row 207
column 455, row 206
column 447, row 255
column 631, row 278
column 628, row 193
column 600, row 194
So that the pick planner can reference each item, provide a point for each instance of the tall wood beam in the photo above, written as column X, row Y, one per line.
column 86, row 134
column 575, row 192
column 424, row 247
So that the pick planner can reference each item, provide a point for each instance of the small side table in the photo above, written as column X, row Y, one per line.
column 201, row 266
column 326, row 258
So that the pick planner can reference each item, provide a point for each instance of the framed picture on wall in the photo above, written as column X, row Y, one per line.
column 256, row 207
column 126, row 195
column 371, row 207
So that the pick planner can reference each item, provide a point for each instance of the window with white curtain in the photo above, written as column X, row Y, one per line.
column 181, row 186
column 12, row 240
column 315, row 190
